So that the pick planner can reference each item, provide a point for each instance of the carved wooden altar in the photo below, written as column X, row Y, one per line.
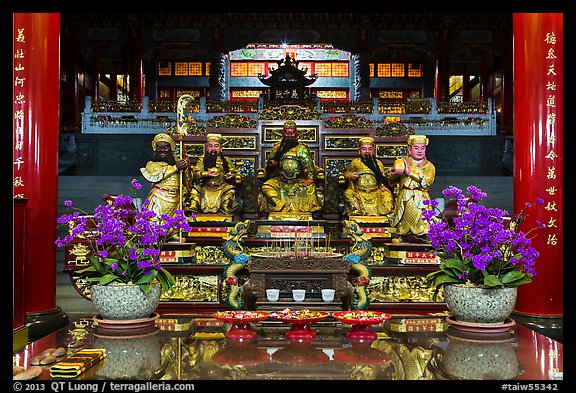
column 312, row 274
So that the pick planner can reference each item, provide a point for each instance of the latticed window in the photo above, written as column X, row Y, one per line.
column 323, row 69
column 255, row 69
column 384, row 70
column 340, row 69
column 306, row 66
column 238, row 69
column 195, row 68
column 164, row 68
column 414, row 70
column 398, row 70
column 181, row 68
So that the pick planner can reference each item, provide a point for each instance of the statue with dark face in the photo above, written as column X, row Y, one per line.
column 163, row 171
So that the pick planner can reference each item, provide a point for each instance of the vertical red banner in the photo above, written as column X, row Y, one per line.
column 538, row 153
column 36, row 97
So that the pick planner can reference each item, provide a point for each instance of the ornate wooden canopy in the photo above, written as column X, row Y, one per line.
column 288, row 81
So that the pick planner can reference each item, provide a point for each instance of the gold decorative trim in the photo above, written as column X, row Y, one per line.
column 239, row 142
column 347, row 143
column 391, row 150
column 194, row 149
column 305, row 133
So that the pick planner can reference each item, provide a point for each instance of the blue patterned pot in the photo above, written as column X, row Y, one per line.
column 480, row 305
column 124, row 302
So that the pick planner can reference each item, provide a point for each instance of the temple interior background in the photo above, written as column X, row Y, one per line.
column 387, row 75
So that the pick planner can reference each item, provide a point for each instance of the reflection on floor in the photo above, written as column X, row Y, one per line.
column 550, row 327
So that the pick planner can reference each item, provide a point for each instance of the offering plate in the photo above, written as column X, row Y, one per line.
column 361, row 321
column 300, row 321
column 240, row 320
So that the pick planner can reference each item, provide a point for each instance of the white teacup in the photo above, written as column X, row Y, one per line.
column 328, row 295
column 298, row 295
column 272, row 295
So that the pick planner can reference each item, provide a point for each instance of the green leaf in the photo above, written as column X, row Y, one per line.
column 511, row 276
column 89, row 269
column 145, row 287
column 445, row 279
column 144, row 279
column 107, row 278
column 453, row 263
column 166, row 279
column 95, row 262
column 491, row 280
column 515, row 278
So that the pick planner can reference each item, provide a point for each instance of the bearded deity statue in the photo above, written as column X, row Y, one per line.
column 164, row 172
column 289, row 178
column 215, row 181
column 366, row 193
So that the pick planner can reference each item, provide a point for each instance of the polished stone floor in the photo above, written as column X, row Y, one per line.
column 203, row 347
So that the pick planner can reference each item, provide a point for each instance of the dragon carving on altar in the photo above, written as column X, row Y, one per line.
column 234, row 251
column 360, row 251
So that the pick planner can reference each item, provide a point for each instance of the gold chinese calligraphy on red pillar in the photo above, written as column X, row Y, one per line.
column 538, row 154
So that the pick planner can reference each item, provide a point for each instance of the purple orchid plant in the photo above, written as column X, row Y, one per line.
column 480, row 246
column 125, row 243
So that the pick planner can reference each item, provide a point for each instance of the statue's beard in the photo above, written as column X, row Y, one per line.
column 372, row 164
column 210, row 159
column 285, row 145
column 167, row 158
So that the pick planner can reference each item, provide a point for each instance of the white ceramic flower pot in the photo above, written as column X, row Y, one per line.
column 480, row 305
column 124, row 302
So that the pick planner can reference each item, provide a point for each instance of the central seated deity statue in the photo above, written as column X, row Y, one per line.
column 289, row 178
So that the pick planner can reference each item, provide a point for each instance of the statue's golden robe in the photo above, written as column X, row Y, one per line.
column 164, row 196
column 364, row 197
column 285, row 191
column 409, row 193
column 214, row 194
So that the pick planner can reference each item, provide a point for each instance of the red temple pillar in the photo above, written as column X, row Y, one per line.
column 466, row 85
column 441, row 85
column 483, row 77
column 507, row 94
column 95, row 76
column 136, row 65
column 36, row 97
column 70, row 111
column 538, row 153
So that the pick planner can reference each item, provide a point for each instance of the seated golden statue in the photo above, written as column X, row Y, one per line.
column 289, row 187
column 366, row 194
column 215, row 181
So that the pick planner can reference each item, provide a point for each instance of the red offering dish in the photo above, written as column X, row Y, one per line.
column 240, row 320
column 300, row 321
column 361, row 321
